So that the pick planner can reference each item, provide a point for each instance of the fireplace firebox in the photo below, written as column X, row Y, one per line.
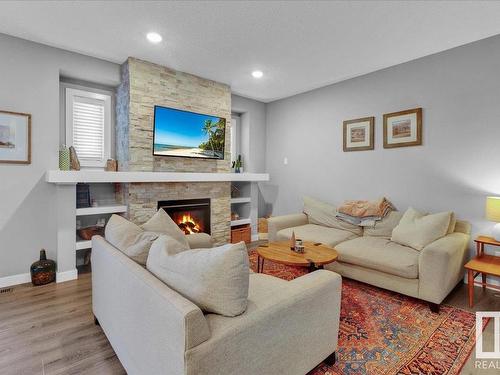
column 191, row 215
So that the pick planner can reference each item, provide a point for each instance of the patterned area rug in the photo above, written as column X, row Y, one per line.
column 382, row 332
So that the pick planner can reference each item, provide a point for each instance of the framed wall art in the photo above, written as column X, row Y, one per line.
column 402, row 129
column 15, row 137
column 359, row 134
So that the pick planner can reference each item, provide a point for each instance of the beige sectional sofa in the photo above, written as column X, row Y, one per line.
column 289, row 327
column 370, row 256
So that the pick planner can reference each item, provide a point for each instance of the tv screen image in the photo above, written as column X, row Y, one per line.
column 188, row 134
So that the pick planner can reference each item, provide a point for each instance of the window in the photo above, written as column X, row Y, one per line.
column 235, row 136
column 88, row 126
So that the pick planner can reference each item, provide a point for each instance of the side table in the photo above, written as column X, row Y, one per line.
column 482, row 264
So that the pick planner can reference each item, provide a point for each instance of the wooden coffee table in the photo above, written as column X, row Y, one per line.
column 315, row 256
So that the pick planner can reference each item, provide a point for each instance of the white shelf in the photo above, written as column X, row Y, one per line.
column 82, row 244
column 101, row 210
column 240, row 222
column 240, row 200
column 92, row 176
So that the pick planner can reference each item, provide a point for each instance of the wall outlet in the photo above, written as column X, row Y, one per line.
column 285, row 161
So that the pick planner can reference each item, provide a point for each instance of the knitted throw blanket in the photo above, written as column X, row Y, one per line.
column 364, row 213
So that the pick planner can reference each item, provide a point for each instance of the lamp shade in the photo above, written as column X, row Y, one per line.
column 493, row 208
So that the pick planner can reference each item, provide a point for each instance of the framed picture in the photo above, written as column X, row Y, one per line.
column 359, row 134
column 402, row 129
column 15, row 137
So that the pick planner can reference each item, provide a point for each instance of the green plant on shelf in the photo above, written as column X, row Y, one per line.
column 238, row 165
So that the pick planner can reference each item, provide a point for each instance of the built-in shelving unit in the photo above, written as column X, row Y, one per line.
column 100, row 210
column 82, row 244
column 244, row 203
column 241, row 200
column 104, row 196
column 235, row 223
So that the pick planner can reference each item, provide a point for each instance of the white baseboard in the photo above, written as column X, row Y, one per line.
column 15, row 280
column 66, row 276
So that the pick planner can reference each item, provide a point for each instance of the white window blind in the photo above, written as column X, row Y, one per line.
column 88, row 126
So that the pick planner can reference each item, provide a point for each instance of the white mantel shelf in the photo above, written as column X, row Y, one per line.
column 73, row 177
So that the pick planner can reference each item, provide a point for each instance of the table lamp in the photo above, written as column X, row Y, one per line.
column 493, row 214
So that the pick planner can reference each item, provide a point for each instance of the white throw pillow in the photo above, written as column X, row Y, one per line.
column 161, row 222
column 129, row 238
column 322, row 213
column 417, row 230
column 215, row 279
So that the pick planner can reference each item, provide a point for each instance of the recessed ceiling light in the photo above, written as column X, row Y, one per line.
column 257, row 74
column 154, row 37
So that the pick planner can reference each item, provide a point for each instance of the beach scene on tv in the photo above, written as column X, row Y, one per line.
column 188, row 134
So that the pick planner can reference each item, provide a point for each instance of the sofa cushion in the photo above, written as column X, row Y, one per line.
column 262, row 290
column 322, row 213
column 129, row 238
column 199, row 240
column 161, row 222
column 417, row 230
column 384, row 227
column 316, row 233
column 380, row 254
column 215, row 279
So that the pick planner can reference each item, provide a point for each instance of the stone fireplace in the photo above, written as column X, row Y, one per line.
column 191, row 215
column 143, row 86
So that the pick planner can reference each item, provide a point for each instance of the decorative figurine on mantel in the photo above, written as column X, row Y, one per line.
column 111, row 165
column 73, row 157
column 43, row 271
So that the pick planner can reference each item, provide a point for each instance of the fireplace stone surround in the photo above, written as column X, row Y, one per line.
column 143, row 86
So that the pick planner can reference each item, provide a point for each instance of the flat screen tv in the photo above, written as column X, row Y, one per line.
column 188, row 134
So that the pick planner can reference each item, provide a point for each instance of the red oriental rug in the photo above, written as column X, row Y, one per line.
column 383, row 332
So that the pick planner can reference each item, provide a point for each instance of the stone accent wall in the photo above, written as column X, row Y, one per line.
column 122, row 117
column 143, row 199
column 143, row 86
column 151, row 85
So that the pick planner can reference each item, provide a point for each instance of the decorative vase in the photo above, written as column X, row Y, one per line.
column 43, row 271
column 73, row 159
column 64, row 159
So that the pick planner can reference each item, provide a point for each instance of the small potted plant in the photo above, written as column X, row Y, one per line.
column 238, row 165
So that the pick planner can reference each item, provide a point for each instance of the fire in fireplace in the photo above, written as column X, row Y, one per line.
column 191, row 215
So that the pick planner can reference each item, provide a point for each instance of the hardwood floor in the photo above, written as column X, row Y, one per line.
column 50, row 330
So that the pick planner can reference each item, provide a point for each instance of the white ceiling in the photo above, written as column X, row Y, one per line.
column 298, row 45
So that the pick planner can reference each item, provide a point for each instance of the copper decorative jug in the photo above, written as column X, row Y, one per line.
column 43, row 271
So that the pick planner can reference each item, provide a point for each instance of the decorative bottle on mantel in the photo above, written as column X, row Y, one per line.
column 292, row 241
column 43, row 271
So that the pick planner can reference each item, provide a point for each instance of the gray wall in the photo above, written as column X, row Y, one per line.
column 29, row 82
column 457, row 166
column 252, row 139
column 253, row 132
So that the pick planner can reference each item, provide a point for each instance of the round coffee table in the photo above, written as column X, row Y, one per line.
column 314, row 257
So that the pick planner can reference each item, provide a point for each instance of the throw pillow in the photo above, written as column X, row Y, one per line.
column 453, row 223
column 384, row 227
column 417, row 230
column 129, row 238
column 322, row 213
column 214, row 279
column 161, row 222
